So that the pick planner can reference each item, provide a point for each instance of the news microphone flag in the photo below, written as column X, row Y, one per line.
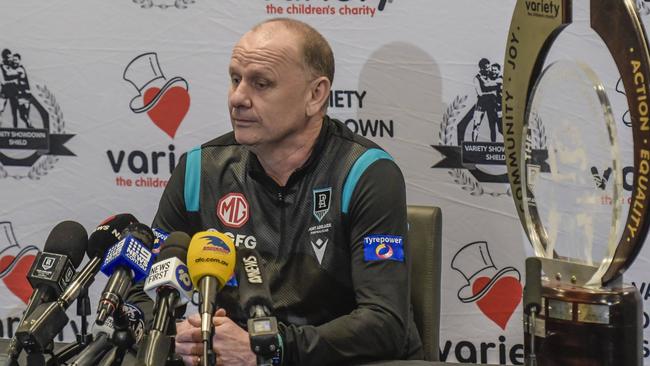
column 131, row 253
column 171, row 272
column 211, row 253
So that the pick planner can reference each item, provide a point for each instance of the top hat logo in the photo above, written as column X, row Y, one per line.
column 497, row 292
column 166, row 101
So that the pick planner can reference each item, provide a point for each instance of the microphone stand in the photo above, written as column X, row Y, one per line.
column 83, row 339
column 123, row 338
column 209, row 357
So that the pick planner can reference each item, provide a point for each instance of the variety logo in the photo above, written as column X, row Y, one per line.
column 233, row 210
column 322, row 199
column 326, row 7
column 471, row 136
column 165, row 101
column 496, row 292
column 15, row 262
column 216, row 244
column 34, row 136
column 541, row 8
column 601, row 181
column 161, row 4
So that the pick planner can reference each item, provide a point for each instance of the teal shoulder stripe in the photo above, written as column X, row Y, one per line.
column 363, row 162
column 193, row 179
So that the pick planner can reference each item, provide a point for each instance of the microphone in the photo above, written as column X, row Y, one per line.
column 211, row 262
column 53, row 269
column 255, row 297
column 169, row 284
column 254, row 292
column 127, row 261
column 160, row 237
column 103, row 334
column 47, row 320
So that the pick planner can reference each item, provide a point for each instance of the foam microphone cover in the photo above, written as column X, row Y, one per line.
column 68, row 238
column 253, row 286
column 176, row 245
column 533, row 287
column 141, row 232
column 211, row 253
column 108, row 233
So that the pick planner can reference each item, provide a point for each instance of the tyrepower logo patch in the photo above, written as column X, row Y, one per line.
column 233, row 210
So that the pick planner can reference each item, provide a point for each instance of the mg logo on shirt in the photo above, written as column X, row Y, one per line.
column 233, row 210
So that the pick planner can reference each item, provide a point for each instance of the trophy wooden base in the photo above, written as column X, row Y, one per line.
column 580, row 326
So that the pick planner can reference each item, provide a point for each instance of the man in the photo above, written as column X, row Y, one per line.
column 486, row 88
column 325, row 209
column 24, row 93
column 10, row 88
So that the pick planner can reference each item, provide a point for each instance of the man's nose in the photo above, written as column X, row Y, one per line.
column 239, row 96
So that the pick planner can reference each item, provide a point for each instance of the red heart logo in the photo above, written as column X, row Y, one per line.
column 16, row 280
column 502, row 299
column 170, row 110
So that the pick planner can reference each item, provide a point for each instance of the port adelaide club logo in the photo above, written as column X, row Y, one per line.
column 471, row 137
column 32, row 128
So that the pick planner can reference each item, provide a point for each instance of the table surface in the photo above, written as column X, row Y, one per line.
column 22, row 361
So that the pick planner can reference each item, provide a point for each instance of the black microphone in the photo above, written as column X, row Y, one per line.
column 254, row 292
column 53, row 269
column 47, row 320
column 170, row 285
column 133, row 319
column 255, row 298
column 126, row 262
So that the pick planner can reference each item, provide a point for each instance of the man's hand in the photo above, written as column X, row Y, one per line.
column 188, row 340
column 231, row 343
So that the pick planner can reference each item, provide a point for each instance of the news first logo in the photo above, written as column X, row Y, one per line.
column 165, row 101
column 32, row 128
column 471, row 137
column 497, row 292
column 365, row 8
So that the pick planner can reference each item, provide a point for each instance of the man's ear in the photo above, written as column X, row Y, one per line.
column 319, row 92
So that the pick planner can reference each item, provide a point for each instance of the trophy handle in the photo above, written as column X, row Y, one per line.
column 619, row 26
column 529, row 40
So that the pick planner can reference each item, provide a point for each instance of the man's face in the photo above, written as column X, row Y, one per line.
column 269, row 87
column 495, row 70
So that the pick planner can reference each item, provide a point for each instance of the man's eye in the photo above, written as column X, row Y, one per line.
column 262, row 84
column 235, row 80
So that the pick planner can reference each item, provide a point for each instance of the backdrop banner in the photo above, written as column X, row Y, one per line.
column 114, row 92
